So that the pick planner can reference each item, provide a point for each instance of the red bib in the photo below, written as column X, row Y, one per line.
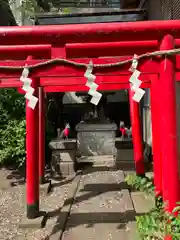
column 123, row 131
column 66, row 132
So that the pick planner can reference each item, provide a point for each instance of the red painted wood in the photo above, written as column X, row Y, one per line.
column 58, row 52
column 168, row 127
column 75, row 81
column 156, row 135
column 177, row 76
column 82, row 88
column 67, row 81
column 148, row 66
column 22, row 51
column 10, row 82
column 177, row 43
column 136, row 134
column 41, row 138
column 94, row 32
column 177, row 66
column 32, row 165
column 79, row 50
column 66, row 78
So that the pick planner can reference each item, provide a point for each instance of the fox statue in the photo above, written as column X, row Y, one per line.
column 126, row 132
column 64, row 134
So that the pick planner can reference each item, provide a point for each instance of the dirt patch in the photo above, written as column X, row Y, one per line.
column 13, row 206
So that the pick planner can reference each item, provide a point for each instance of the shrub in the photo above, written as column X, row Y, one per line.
column 12, row 127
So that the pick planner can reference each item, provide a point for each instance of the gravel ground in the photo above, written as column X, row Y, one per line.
column 12, row 201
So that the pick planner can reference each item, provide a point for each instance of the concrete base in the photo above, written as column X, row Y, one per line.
column 35, row 223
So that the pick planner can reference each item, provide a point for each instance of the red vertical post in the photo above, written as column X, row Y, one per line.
column 32, row 173
column 156, row 135
column 168, row 126
column 136, row 135
column 41, row 136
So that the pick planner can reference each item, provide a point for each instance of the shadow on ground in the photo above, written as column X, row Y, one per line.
column 15, row 175
column 89, row 219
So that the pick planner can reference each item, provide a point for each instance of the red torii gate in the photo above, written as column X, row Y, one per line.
column 103, row 44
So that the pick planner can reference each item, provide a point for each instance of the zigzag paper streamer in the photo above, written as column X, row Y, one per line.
column 135, row 82
column 96, row 96
column 32, row 100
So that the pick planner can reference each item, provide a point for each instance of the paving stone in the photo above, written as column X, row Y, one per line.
column 101, row 208
column 142, row 203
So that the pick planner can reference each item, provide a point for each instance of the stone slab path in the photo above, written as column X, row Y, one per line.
column 102, row 208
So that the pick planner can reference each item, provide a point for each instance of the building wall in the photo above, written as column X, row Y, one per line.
column 163, row 9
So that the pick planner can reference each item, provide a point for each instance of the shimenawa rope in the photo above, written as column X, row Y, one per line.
column 62, row 61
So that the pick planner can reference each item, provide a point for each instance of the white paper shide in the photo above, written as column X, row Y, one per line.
column 135, row 82
column 32, row 100
column 96, row 96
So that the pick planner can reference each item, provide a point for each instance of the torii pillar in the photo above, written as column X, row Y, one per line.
column 136, row 135
column 168, row 126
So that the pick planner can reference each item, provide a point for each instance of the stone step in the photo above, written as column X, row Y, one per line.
column 101, row 208
column 142, row 202
column 98, row 161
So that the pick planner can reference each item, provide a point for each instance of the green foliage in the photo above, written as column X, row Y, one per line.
column 29, row 8
column 157, row 223
column 151, row 225
column 142, row 184
column 12, row 145
column 12, row 127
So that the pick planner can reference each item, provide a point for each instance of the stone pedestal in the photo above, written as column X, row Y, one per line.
column 63, row 157
column 125, row 154
column 96, row 139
